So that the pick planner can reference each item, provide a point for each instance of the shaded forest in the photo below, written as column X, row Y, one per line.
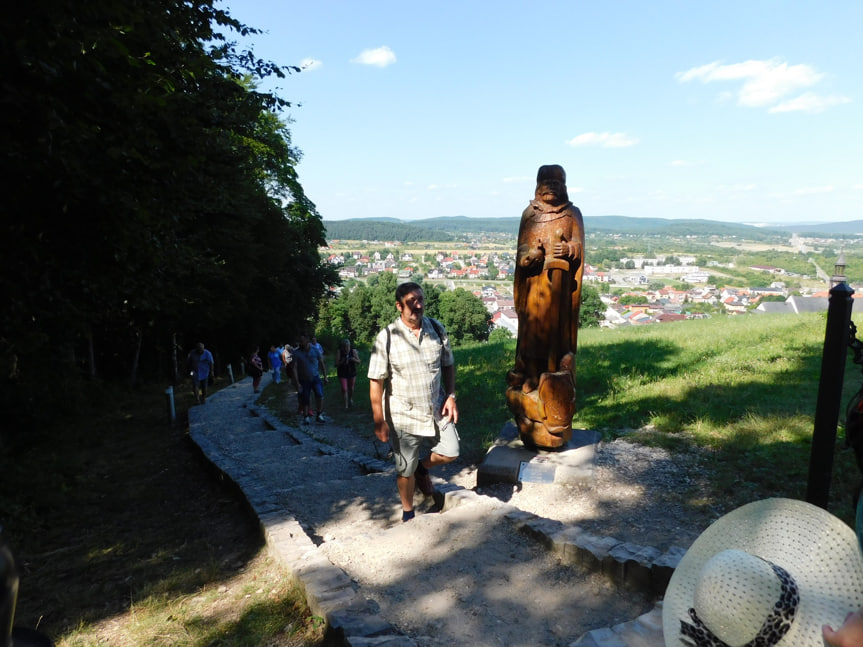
column 152, row 199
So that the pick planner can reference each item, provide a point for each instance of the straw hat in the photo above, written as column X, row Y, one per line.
column 775, row 569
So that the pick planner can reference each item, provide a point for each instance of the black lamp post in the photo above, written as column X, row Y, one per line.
column 830, row 387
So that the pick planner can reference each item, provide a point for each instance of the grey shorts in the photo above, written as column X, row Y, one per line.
column 407, row 447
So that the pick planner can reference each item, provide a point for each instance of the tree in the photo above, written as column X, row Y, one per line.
column 148, row 182
column 499, row 335
column 465, row 316
column 592, row 310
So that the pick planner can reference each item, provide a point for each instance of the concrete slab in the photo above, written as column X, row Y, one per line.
column 509, row 461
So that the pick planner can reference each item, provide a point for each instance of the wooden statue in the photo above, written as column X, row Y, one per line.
column 549, row 265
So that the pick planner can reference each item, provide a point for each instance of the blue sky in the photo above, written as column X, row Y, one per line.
column 733, row 111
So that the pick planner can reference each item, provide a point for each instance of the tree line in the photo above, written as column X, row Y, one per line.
column 151, row 201
column 359, row 313
column 383, row 230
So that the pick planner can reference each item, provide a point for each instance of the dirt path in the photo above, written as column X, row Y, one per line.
column 466, row 576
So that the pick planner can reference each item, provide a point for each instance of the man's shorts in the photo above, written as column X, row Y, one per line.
column 406, row 447
column 307, row 388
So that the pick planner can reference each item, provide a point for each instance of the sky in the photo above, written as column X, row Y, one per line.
column 737, row 111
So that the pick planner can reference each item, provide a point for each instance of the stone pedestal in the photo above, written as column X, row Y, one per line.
column 509, row 461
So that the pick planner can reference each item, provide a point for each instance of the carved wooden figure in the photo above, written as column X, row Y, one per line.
column 549, row 266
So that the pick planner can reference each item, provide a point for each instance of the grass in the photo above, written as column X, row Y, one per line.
column 739, row 391
column 125, row 538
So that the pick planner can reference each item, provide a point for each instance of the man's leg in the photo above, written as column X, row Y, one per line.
column 445, row 450
column 318, row 387
column 406, row 452
column 436, row 459
column 305, row 398
column 406, row 486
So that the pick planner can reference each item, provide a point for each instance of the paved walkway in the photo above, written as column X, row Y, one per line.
column 326, row 530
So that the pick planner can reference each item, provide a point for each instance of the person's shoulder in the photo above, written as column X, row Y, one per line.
column 437, row 324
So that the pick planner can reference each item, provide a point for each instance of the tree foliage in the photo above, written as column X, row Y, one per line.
column 151, row 192
column 370, row 229
column 465, row 316
column 592, row 310
column 363, row 311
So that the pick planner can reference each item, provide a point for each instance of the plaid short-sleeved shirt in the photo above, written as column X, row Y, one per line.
column 414, row 397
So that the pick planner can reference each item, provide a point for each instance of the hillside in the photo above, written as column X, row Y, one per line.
column 451, row 228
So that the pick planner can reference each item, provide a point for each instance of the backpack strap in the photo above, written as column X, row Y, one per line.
column 437, row 328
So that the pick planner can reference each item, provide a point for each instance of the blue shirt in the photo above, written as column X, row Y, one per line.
column 308, row 363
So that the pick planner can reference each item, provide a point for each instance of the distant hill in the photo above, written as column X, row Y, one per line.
column 851, row 227
column 384, row 229
column 451, row 228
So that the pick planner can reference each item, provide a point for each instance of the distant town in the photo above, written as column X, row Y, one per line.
column 719, row 277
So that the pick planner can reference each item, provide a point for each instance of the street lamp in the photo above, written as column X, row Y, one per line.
column 838, row 271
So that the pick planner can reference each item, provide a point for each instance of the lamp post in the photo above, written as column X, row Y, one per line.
column 830, row 386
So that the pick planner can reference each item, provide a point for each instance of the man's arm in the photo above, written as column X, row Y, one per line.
column 450, row 409
column 323, row 367
column 376, row 396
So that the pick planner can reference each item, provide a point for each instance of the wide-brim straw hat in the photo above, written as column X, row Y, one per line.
column 779, row 568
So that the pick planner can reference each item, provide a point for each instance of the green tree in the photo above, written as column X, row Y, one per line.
column 465, row 316
column 592, row 311
column 499, row 335
column 631, row 299
column 149, row 182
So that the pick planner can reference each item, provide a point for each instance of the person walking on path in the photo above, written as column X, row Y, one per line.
column 347, row 361
column 287, row 359
column 311, row 372
column 200, row 362
column 412, row 391
column 256, row 369
column 275, row 357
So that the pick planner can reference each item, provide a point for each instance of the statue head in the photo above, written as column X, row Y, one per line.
column 551, row 185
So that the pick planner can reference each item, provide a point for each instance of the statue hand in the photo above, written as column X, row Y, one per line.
column 562, row 250
column 530, row 257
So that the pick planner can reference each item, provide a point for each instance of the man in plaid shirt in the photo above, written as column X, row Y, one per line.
column 412, row 391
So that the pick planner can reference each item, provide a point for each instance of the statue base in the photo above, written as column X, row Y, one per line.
column 510, row 461
column 544, row 415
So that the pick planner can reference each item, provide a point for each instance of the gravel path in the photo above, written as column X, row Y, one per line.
column 466, row 576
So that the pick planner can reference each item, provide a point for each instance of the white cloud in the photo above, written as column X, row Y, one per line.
column 809, row 102
column 575, row 189
column 766, row 83
column 605, row 140
column 310, row 64
column 380, row 57
column 737, row 188
column 810, row 190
